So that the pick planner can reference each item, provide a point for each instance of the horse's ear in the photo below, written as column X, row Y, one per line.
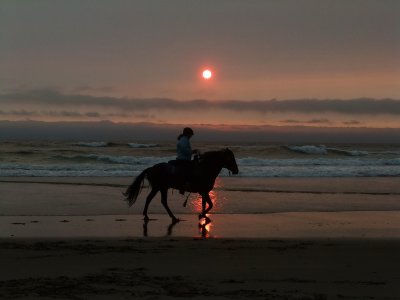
column 228, row 151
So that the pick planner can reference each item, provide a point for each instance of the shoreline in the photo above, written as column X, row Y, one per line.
column 295, row 225
column 103, row 196
column 372, row 185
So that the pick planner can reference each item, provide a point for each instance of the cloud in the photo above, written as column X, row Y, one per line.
column 312, row 121
column 62, row 113
column 89, row 89
column 54, row 98
column 109, row 131
column 318, row 121
column 21, row 112
column 352, row 122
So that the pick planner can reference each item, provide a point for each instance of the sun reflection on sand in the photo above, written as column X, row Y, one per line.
column 205, row 227
column 216, row 198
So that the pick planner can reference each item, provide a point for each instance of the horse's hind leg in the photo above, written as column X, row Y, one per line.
column 164, row 197
column 150, row 197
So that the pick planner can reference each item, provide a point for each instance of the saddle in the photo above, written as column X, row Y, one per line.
column 181, row 168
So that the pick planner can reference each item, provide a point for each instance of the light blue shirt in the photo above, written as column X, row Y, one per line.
column 184, row 149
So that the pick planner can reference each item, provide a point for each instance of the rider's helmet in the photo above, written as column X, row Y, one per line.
column 188, row 131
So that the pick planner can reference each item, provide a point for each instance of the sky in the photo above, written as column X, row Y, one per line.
column 316, row 63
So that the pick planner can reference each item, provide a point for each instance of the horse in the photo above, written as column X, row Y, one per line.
column 164, row 176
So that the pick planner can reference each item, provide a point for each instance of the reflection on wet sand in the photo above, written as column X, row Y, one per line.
column 205, row 227
column 169, row 228
column 204, row 224
column 196, row 202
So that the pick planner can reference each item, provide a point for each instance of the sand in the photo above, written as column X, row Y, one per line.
column 290, row 239
column 157, row 268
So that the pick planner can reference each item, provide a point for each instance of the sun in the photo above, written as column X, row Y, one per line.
column 207, row 74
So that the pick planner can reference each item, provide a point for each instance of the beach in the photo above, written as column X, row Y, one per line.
column 285, row 112
column 269, row 238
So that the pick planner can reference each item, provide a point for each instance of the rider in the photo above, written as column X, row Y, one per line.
column 184, row 154
column 183, row 147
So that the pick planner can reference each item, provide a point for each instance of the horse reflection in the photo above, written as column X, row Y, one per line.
column 205, row 227
column 169, row 228
column 197, row 205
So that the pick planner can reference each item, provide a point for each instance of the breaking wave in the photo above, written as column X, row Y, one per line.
column 92, row 144
column 103, row 165
column 323, row 150
column 138, row 145
column 103, row 158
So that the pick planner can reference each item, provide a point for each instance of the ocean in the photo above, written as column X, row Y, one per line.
column 122, row 159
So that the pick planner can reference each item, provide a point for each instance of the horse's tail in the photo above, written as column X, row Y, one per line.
column 133, row 191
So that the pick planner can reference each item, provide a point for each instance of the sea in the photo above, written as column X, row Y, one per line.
column 129, row 158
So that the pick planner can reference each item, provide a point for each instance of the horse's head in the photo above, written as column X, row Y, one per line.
column 230, row 161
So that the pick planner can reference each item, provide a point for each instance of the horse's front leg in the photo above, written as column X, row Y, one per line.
column 164, row 197
column 205, row 200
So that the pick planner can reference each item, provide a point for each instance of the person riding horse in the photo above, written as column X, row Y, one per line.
column 163, row 176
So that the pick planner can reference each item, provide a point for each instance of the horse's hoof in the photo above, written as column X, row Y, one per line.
column 201, row 216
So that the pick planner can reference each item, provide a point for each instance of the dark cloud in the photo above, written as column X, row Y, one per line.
column 312, row 121
column 90, row 89
column 291, row 121
column 110, row 131
column 352, row 122
column 21, row 112
column 318, row 121
column 62, row 113
column 54, row 98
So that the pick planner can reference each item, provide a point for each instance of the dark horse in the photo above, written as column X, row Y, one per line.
column 163, row 176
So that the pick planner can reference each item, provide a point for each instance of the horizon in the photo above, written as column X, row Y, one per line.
column 108, row 131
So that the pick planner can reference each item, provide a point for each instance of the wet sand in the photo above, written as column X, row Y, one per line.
column 103, row 196
column 75, row 238
column 293, row 225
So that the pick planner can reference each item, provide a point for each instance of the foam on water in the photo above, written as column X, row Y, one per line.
column 138, row 145
column 92, row 144
column 112, row 159
column 103, row 165
column 309, row 149
column 258, row 160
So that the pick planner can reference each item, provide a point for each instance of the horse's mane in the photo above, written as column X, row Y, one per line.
column 211, row 155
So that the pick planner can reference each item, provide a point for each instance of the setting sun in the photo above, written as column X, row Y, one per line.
column 207, row 74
